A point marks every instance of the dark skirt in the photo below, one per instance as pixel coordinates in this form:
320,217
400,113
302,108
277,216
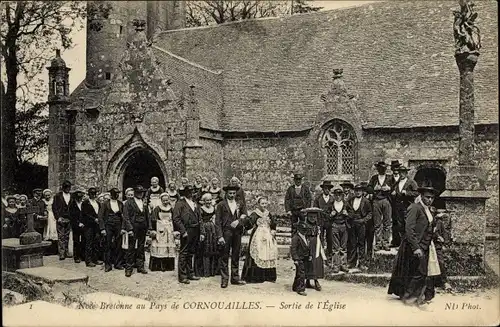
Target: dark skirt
254,274
315,270
161,264
207,254
409,275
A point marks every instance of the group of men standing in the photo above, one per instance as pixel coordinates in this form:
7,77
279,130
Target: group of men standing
357,219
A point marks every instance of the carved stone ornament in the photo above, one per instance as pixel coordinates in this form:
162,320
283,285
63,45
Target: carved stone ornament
338,88
466,33
139,24
137,117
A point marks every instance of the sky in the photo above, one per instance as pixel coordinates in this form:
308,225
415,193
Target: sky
75,56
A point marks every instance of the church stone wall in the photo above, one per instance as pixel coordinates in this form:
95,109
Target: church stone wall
265,167
206,160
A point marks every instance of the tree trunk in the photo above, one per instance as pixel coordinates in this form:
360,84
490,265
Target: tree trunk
9,157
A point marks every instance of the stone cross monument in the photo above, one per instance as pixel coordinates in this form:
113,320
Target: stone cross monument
465,193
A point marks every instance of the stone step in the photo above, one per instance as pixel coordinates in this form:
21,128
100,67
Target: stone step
53,275
460,284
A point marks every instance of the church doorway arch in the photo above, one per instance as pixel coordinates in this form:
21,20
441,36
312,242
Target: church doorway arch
432,177
138,169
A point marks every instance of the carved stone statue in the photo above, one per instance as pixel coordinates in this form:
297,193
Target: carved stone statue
466,33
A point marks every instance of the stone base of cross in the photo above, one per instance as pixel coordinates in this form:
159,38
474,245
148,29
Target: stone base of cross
30,236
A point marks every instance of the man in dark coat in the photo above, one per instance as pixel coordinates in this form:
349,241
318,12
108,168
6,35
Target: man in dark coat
90,220
40,217
340,219
240,194
77,225
417,258
229,222
60,208
325,203
186,221
380,186
403,194
297,197
360,211
110,224
137,223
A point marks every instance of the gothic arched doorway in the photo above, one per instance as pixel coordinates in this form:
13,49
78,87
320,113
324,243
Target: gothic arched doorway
139,168
432,177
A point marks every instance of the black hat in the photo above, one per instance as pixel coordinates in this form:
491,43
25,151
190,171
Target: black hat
298,176
66,183
230,188
347,184
92,190
422,190
115,190
363,184
381,164
359,187
338,190
186,189
139,188
395,164
327,184
403,168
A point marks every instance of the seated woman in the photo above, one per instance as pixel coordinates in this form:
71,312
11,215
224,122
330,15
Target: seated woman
13,219
162,244
262,255
206,259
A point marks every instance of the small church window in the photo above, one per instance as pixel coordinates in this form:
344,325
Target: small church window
121,29
339,142
108,76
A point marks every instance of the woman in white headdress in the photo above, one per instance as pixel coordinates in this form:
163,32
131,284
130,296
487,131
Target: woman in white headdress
163,245
153,193
262,256
206,258
50,230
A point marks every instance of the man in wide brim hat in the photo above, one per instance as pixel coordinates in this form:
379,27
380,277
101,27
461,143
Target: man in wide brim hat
230,188
395,164
381,164
139,189
427,189
326,184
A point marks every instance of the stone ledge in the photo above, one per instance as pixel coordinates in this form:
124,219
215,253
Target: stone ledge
15,245
465,194
492,236
53,275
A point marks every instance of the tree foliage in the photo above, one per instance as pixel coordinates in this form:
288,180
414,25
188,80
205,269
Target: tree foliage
30,32
199,13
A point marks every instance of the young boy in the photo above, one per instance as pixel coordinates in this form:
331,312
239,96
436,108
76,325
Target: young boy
301,256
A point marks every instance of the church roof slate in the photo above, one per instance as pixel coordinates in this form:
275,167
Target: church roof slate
397,57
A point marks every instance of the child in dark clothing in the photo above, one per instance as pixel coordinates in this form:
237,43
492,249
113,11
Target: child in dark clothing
301,256
442,238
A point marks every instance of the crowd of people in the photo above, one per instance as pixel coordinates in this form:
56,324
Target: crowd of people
202,224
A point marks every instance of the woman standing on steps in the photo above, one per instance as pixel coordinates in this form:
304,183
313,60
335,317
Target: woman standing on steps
262,254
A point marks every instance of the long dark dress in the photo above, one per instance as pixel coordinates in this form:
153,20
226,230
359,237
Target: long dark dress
409,276
262,253
163,245
206,258
317,269
15,223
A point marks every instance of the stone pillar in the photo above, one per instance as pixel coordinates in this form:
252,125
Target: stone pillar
192,145
60,120
465,193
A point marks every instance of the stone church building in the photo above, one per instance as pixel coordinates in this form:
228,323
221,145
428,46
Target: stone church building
326,93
